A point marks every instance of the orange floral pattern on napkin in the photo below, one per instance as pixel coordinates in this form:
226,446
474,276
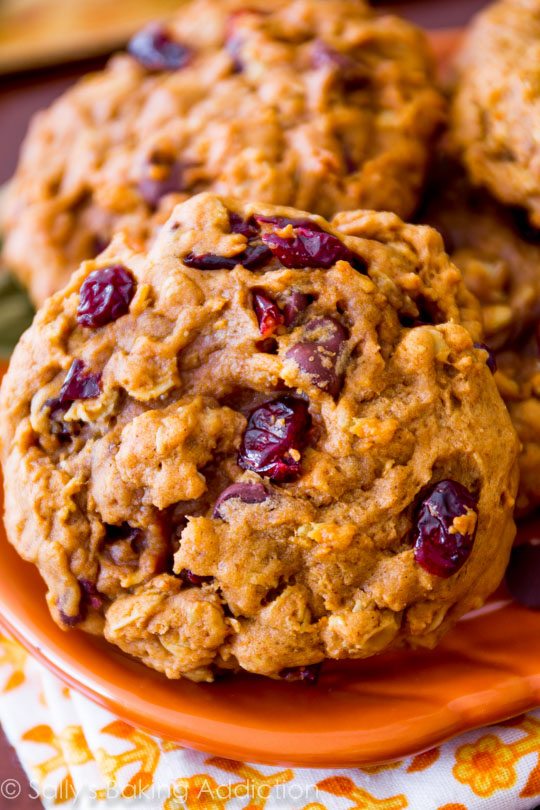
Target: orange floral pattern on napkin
77,754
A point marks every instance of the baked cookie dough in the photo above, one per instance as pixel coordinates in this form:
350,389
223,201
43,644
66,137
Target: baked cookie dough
498,254
313,103
265,442
496,110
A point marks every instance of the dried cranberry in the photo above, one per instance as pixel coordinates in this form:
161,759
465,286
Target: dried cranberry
491,361
210,261
523,575
276,432
319,357
105,295
253,257
256,256
244,492
72,621
163,176
307,674
90,595
313,248
190,578
438,548
349,72
247,227
268,313
79,385
155,49
295,304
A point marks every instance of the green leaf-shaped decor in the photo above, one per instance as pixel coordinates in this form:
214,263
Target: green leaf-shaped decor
16,312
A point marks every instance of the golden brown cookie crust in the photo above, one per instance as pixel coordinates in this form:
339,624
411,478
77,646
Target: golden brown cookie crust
316,104
324,565
496,109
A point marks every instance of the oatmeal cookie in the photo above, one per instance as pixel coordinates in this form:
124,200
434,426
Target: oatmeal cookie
313,103
496,110
267,441
498,254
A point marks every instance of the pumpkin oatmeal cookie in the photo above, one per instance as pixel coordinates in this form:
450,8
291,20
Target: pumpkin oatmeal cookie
498,254
496,110
318,104
267,441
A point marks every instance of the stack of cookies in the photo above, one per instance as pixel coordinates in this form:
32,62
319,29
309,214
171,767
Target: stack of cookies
258,421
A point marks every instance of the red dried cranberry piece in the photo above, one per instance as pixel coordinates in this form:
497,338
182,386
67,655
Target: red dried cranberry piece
72,621
253,257
268,313
311,248
210,261
154,48
90,595
105,295
163,176
349,72
247,227
491,361
319,357
190,578
256,256
79,385
295,304
276,432
523,575
244,492
437,549
308,674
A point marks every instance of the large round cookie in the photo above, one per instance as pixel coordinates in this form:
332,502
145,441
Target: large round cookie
313,103
499,256
266,442
496,110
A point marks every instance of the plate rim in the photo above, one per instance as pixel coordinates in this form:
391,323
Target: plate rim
498,704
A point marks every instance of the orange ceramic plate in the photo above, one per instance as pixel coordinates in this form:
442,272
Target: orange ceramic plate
364,712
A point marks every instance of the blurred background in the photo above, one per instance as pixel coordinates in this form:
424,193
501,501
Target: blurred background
45,45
